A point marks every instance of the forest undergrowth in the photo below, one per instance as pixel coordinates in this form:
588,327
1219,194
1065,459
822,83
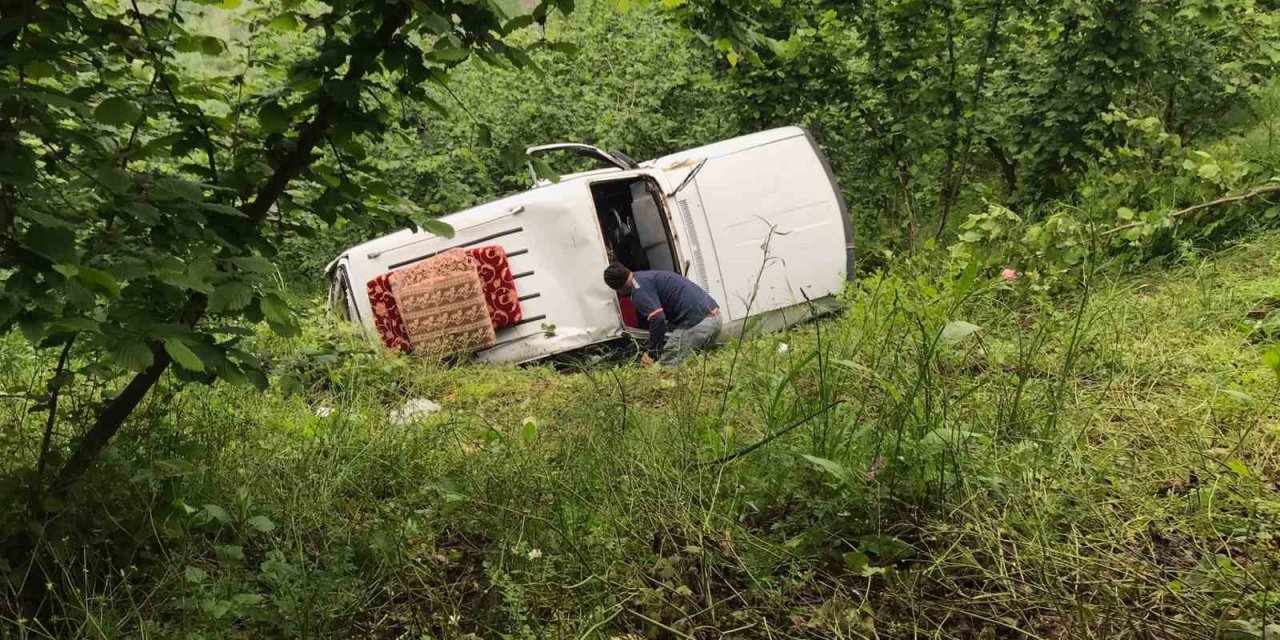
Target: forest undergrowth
950,457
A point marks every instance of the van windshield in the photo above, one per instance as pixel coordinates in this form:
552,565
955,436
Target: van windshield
562,162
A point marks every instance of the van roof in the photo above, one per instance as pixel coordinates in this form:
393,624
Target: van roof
561,193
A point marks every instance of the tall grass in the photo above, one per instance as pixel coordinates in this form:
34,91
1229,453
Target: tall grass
950,457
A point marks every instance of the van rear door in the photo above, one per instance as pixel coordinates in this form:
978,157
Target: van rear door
776,229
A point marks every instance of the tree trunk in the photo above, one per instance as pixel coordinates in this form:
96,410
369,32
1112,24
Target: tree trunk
979,82
948,191
1007,166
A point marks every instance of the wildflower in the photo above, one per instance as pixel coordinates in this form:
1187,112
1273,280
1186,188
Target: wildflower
324,412
783,347
534,554
1009,275
874,470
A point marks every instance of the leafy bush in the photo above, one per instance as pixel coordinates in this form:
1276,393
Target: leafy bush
1147,198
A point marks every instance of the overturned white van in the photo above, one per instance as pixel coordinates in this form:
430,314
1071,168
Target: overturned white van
756,221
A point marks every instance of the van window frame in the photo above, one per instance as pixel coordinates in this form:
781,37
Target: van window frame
655,191
350,307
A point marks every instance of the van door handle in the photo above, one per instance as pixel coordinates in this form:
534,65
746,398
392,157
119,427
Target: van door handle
687,264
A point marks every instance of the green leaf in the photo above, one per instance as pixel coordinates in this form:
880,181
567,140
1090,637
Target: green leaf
275,309
115,179
40,69
99,281
211,46
178,189
231,296
117,111
246,599
856,561
450,54
1238,396
522,60
517,23
272,118
543,170
837,470
287,21
253,264
142,212
1238,467
886,548
194,575
290,385
188,44
17,163
73,324
59,245
230,552
1272,359
217,513
939,439
437,227
222,209
957,330
529,432
434,105
436,23
262,524
183,355
132,354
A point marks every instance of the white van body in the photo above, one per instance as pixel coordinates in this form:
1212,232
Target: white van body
756,221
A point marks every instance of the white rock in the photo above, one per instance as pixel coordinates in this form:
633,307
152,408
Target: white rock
412,411
783,347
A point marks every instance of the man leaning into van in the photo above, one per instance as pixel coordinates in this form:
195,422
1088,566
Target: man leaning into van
668,300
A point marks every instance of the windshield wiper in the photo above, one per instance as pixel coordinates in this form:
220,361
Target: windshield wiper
689,178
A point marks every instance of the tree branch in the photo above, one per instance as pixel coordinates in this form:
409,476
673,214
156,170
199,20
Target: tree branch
210,149
311,135
1259,191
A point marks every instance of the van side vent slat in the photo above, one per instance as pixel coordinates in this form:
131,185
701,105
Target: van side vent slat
464,245
699,262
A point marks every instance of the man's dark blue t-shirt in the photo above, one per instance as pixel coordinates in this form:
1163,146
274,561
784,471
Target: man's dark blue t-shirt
663,297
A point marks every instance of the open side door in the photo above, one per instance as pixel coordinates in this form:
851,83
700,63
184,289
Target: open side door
614,159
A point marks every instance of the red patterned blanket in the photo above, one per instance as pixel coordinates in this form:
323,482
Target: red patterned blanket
491,265
499,285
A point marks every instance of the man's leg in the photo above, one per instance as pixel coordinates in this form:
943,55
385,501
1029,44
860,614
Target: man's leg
675,350
683,342
706,333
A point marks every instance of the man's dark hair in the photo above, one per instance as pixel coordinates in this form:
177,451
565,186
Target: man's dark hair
615,275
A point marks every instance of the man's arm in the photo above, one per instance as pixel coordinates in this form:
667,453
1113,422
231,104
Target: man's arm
657,333
647,304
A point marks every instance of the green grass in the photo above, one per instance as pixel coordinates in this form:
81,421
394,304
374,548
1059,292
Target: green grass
1098,465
